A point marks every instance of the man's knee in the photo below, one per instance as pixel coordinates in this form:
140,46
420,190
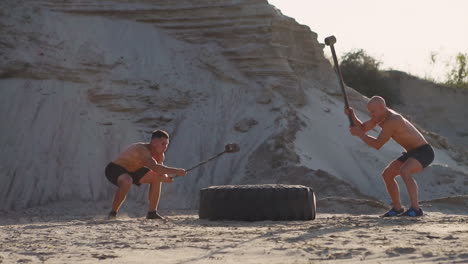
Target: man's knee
125,181
405,173
150,178
156,178
392,170
389,174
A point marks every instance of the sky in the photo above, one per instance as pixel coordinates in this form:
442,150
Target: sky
402,34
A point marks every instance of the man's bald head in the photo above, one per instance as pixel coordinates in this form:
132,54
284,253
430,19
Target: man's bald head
377,101
377,108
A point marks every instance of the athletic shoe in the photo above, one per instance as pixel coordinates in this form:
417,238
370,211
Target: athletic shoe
412,212
393,212
112,215
153,215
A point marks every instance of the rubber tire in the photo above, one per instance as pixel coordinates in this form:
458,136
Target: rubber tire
257,202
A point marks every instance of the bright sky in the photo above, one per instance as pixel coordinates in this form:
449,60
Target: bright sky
401,34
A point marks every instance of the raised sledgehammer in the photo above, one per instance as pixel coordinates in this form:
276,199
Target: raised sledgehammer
330,41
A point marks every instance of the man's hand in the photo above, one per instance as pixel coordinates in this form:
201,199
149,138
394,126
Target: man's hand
166,179
180,172
349,111
356,131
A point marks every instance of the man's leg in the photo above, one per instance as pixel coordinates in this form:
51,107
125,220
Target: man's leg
154,195
155,189
389,174
410,167
125,182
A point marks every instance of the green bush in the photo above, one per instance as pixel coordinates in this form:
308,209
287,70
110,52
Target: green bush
458,75
361,72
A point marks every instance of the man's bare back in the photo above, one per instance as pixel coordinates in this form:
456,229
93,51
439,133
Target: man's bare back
402,131
134,157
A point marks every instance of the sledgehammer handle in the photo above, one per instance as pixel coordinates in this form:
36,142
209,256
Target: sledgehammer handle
330,41
203,162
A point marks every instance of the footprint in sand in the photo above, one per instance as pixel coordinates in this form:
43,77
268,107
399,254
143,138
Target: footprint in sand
342,255
163,247
393,252
363,235
104,256
346,242
24,261
450,237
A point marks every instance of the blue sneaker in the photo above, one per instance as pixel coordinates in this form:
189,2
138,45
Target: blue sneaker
412,212
393,212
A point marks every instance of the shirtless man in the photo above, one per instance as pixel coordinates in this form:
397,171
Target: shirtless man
141,163
419,154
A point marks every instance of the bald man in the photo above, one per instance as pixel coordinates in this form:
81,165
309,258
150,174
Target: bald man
418,153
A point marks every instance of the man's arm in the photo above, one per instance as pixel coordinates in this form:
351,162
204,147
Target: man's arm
160,160
366,126
377,143
161,169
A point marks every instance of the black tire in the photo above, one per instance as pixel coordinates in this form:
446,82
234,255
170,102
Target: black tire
257,202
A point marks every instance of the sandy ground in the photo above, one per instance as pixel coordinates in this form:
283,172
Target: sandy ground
72,233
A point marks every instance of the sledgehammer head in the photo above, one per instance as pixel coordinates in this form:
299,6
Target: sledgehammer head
330,40
231,148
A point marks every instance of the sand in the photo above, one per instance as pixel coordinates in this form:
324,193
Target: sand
79,233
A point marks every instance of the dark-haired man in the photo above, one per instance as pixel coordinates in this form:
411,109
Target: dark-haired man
418,153
141,163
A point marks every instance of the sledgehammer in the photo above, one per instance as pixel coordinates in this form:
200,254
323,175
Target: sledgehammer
329,41
229,148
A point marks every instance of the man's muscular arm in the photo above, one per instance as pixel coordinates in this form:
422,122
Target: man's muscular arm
377,143
365,126
161,169
160,160
368,125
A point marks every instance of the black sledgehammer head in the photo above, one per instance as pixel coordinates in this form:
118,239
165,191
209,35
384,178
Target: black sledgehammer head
330,40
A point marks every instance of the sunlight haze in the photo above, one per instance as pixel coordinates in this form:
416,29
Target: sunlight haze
400,34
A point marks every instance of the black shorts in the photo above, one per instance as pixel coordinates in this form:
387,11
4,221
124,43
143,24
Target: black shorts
113,171
424,154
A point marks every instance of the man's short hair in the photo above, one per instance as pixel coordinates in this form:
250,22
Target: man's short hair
159,134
